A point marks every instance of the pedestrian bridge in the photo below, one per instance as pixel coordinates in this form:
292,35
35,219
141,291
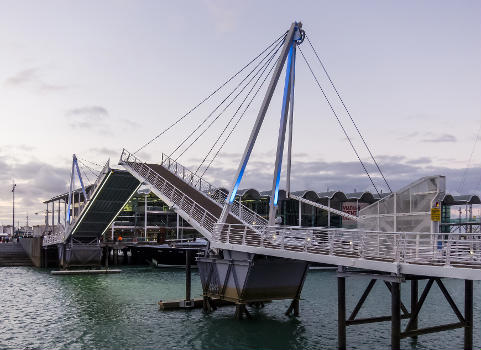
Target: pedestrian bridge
93,211
453,255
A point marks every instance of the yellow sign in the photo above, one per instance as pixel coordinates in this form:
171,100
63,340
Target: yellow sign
435,214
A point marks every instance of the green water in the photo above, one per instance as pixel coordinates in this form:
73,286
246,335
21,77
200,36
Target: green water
41,311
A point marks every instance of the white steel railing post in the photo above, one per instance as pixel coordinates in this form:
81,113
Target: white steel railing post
362,242
448,251
330,242
244,235
228,234
203,217
181,203
417,246
396,258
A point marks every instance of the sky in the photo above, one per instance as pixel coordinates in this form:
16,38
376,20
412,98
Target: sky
94,77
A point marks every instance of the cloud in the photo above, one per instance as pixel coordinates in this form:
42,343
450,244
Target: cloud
103,151
409,136
129,124
36,181
427,137
87,117
440,138
31,78
319,175
224,14
421,160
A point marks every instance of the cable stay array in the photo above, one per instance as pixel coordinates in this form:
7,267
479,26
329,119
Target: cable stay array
236,96
208,97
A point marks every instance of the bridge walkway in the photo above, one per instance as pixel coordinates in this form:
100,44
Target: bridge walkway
415,253
106,198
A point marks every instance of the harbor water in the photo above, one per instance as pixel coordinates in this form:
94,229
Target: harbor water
41,311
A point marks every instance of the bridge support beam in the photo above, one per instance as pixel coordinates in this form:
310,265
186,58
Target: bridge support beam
399,310
188,278
468,315
395,316
107,256
341,313
414,304
295,28
294,307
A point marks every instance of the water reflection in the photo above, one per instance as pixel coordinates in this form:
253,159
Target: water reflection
41,311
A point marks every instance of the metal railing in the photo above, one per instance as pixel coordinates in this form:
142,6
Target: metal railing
244,213
165,189
439,249
105,170
59,237
237,209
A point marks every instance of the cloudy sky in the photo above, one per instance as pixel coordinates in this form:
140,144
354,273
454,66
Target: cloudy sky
93,77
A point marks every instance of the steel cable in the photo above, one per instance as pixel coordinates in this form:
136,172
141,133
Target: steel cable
465,173
261,70
239,119
340,123
348,113
210,95
219,105
94,172
240,106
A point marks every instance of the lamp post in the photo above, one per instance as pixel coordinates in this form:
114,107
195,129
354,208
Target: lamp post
13,209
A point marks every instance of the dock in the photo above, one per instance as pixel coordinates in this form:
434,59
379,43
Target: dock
85,272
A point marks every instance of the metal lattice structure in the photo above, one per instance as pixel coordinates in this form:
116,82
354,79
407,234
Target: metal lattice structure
408,209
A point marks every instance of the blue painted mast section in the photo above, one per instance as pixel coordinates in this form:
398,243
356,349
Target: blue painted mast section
72,178
291,121
282,134
70,192
289,39
81,181
284,108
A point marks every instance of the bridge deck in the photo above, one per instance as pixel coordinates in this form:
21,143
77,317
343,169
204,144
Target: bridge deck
418,253
207,203
105,204
113,189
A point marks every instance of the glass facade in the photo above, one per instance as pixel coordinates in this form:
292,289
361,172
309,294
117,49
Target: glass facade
407,210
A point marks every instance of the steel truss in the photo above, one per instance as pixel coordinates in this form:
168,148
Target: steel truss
399,311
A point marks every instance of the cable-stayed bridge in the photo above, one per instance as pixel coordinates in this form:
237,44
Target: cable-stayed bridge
252,259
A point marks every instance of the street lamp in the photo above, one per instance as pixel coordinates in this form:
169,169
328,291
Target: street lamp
145,191
13,209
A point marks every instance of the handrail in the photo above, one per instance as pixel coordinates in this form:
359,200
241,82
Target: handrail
324,207
201,215
436,249
239,210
